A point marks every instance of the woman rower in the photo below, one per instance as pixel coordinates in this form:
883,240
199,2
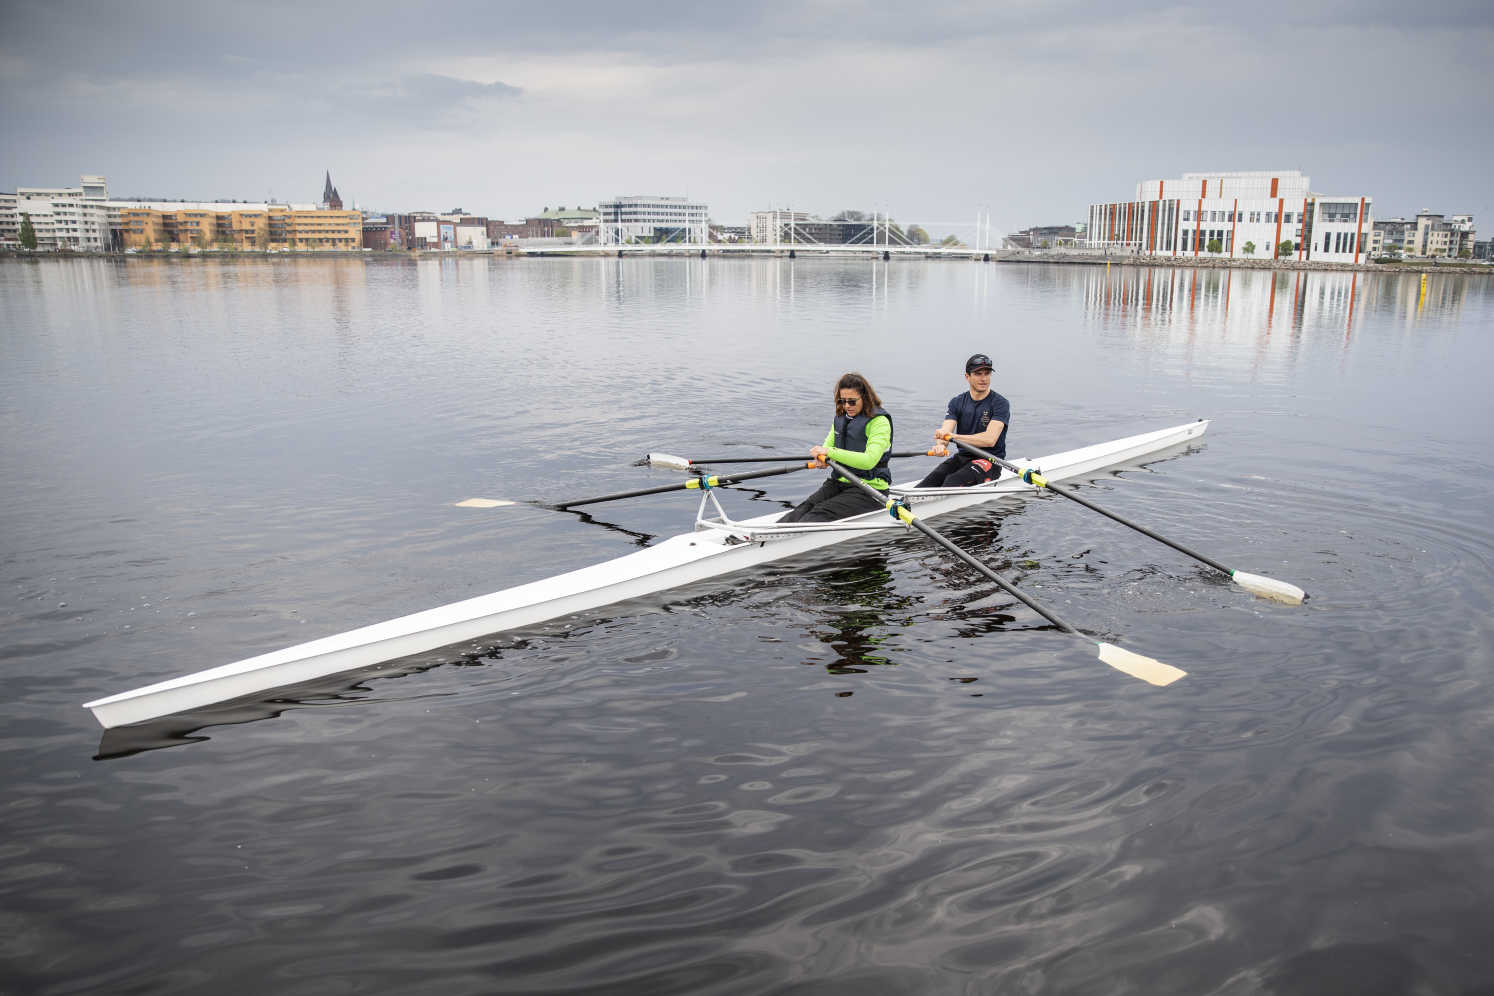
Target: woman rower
860,439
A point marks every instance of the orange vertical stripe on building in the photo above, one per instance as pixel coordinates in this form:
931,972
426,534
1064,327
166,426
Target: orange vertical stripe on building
1234,218
1302,245
1357,236
1280,204
1198,217
1157,206
1273,186
1205,191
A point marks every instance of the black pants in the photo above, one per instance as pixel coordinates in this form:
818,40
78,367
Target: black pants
959,471
833,500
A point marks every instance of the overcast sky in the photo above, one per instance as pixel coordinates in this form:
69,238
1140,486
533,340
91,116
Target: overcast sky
931,110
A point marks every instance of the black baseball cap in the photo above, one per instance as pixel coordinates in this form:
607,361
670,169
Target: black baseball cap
977,361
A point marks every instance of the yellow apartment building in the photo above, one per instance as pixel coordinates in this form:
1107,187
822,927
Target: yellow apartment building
325,230
142,228
247,229
274,226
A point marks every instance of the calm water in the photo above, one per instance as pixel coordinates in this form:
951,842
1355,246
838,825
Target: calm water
865,771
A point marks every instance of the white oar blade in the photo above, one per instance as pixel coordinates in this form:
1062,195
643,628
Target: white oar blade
483,503
1265,587
1153,672
667,460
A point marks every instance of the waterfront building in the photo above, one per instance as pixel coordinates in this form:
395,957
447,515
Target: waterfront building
652,219
10,222
1235,215
384,231
1428,235
790,227
571,221
455,230
773,226
1042,237
229,225
62,217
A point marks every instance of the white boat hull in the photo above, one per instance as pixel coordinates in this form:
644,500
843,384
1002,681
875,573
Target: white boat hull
672,563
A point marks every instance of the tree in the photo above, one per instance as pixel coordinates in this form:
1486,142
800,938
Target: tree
28,234
849,215
917,235
1466,254
951,241
1215,246
1286,248
1249,248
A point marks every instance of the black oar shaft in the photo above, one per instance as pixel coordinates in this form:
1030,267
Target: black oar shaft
778,459
906,515
1042,482
694,483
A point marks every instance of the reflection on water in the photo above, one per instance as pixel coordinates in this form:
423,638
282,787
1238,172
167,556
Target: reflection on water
1254,303
207,459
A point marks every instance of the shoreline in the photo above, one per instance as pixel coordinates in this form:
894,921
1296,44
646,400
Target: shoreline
1467,267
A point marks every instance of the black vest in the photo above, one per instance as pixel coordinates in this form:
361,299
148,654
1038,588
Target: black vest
850,434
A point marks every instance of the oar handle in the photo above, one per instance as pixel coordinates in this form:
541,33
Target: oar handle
1035,478
902,512
695,483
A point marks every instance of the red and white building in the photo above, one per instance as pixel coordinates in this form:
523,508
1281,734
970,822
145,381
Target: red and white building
1241,215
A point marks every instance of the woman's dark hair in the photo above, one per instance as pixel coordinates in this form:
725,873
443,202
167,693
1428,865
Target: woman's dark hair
855,382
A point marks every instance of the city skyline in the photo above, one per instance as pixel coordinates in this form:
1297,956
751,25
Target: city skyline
1029,113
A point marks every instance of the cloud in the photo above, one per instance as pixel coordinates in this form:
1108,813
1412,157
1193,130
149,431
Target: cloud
1034,106
424,100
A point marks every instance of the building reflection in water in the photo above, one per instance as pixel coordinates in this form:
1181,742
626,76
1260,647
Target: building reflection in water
1243,303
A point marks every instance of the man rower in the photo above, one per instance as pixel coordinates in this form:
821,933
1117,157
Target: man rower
978,417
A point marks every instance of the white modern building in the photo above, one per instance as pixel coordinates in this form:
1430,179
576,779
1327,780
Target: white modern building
63,218
652,219
1235,215
775,226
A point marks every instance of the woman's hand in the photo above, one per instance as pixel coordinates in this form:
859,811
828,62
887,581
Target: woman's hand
819,453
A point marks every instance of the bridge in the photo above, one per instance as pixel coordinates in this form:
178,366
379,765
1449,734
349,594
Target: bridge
791,250
790,234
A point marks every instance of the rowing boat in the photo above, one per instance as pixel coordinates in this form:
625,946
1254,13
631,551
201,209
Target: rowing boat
718,545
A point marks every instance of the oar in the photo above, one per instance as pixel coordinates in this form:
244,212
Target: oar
681,463
1257,584
695,483
1136,665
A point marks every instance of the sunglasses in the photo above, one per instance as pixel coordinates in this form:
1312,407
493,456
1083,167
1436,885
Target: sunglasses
846,402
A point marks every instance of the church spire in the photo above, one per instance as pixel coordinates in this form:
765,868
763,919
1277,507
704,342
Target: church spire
330,198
